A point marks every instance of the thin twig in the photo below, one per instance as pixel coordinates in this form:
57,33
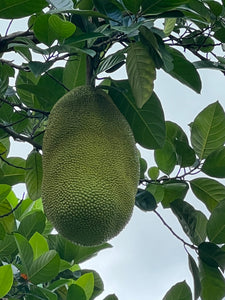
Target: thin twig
12,165
172,231
58,81
12,211
7,29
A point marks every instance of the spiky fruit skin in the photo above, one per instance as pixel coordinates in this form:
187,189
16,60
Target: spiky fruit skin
90,167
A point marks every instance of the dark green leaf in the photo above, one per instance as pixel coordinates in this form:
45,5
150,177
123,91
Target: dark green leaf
6,279
45,267
141,73
212,255
214,164
4,191
209,191
185,154
75,292
195,273
143,167
12,9
173,189
42,293
8,248
145,200
31,223
155,7
37,67
25,252
212,282
13,173
208,130
179,291
111,8
86,282
8,221
148,123
133,6
216,224
165,157
184,71
220,34
43,31
192,221
111,297
33,177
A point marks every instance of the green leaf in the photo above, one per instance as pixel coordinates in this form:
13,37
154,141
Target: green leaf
185,154
133,6
8,248
111,297
72,252
45,267
13,9
42,293
155,7
86,282
111,62
184,70
148,123
157,190
33,177
214,164
43,32
145,200
212,255
169,25
39,244
37,67
165,157
212,282
173,189
98,283
13,173
25,252
179,291
141,73
5,189
33,222
209,191
216,224
153,173
196,277
112,9
62,29
77,67
192,221
6,279
208,130
8,221
76,292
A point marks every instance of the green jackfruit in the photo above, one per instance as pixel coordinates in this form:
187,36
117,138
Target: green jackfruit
90,167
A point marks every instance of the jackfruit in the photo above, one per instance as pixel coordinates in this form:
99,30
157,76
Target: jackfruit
90,167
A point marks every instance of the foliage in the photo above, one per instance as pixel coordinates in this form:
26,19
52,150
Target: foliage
151,35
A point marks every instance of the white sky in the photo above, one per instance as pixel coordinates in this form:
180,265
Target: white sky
147,259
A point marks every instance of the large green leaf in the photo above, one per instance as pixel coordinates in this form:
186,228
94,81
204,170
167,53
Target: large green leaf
86,281
192,221
212,255
4,191
166,157
133,6
214,164
25,252
208,130
148,123
159,6
212,282
33,177
33,222
8,221
179,291
185,154
39,244
12,9
77,67
216,224
43,32
14,172
62,29
76,292
209,191
173,189
112,9
8,247
184,70
141,73
6,279
45,267
196,278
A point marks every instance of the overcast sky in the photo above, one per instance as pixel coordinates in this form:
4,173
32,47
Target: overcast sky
147,259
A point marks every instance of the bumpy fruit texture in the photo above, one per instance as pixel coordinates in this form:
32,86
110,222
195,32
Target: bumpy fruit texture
90,167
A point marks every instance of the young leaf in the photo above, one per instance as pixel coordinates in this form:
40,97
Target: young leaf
6,279
33,177
184,71
33,222
141,73
41,293
13,9
25,251
208,130
86,282
39,244
212,282
214,164
76,292
209,191
185,154
37,67
148,123
45,267
195,273
179,291
216,224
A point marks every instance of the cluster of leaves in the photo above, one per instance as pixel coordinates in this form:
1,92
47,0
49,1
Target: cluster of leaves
150,35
